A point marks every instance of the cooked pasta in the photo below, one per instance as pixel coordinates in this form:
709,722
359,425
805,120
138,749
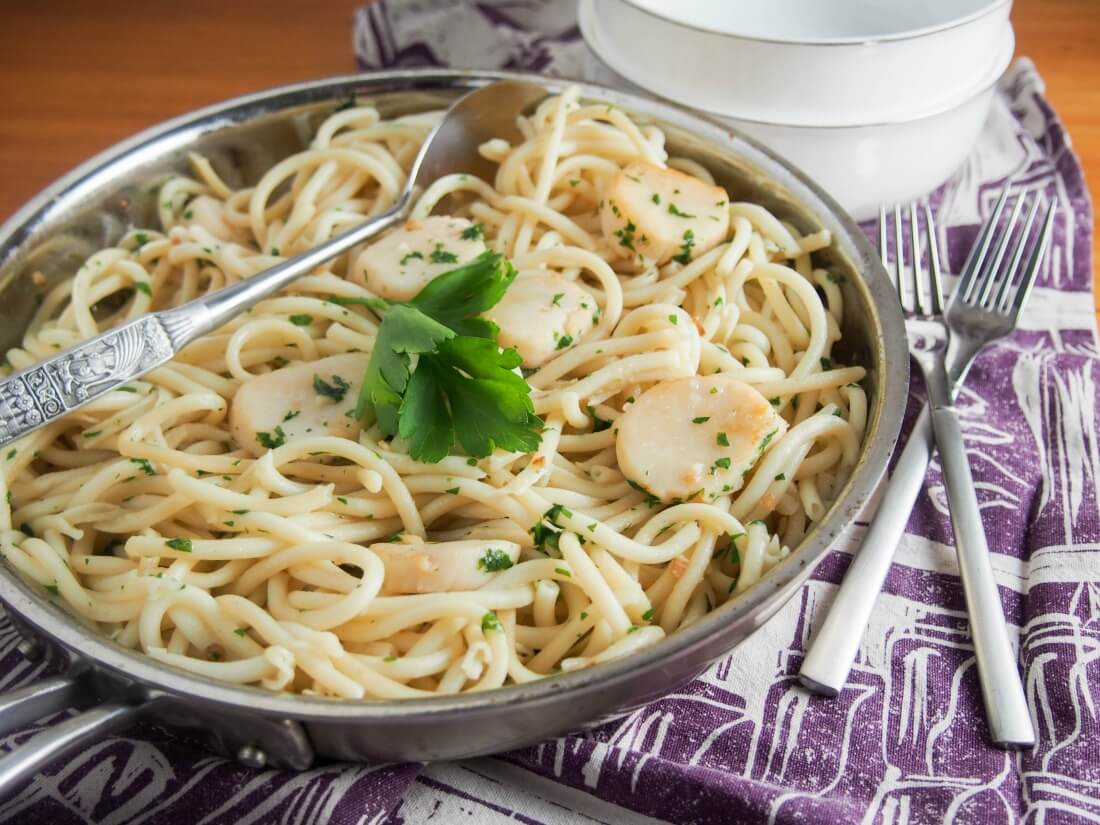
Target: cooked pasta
230,515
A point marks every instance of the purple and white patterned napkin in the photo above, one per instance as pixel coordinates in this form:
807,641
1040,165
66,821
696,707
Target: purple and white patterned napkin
906,741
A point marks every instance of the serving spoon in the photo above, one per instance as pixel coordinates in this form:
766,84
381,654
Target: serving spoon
53,388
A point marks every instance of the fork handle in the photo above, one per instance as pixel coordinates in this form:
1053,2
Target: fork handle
1005,705
833,648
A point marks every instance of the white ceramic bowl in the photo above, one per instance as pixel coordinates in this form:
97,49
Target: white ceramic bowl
882,160
863,167
810,62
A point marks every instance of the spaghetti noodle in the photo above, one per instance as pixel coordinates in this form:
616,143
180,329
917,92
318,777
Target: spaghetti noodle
317,556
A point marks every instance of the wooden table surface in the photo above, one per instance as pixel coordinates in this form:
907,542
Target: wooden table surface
75,77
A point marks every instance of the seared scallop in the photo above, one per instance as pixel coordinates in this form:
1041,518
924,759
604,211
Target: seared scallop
662,214
695,436
541,315
303,400
408,259
414,565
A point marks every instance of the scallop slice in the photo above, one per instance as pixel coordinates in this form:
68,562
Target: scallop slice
407,259
660,214
209,213
310,399
695,435
414,565
542,314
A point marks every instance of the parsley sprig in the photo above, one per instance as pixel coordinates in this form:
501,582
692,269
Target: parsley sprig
462,386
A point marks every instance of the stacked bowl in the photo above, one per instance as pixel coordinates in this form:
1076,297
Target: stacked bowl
879,101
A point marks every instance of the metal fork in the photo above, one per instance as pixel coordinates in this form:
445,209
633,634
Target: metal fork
984,284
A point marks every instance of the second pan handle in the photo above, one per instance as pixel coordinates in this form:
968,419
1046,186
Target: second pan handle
21,765
21,707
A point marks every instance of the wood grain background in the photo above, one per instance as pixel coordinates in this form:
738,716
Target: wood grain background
77,76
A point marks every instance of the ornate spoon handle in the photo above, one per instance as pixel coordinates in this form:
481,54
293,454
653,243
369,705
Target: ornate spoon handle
55,387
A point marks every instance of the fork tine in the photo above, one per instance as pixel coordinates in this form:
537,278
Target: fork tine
918,272
1032,271
988,279
981,247
933,262
1001,300
882,251
899,257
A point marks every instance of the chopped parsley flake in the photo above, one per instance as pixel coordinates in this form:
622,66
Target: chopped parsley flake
685,248
473,233
143,286
626,235
490,622
702,419
648,615
650,499
301,320
561,571
544,533
494,560
672,319
826,363
672,210
556,300
410,256
563,342
723,440
336,390
442,256
145,466
183,545
723,463
272,440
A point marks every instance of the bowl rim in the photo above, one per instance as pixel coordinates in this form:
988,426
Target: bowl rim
605,52
778,585
850,40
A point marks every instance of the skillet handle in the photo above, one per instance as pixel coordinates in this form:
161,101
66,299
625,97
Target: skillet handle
21,765
21,707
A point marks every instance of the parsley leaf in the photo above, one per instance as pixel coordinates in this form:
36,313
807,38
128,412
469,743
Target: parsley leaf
463,386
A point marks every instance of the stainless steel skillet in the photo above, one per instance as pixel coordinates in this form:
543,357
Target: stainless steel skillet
92,206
